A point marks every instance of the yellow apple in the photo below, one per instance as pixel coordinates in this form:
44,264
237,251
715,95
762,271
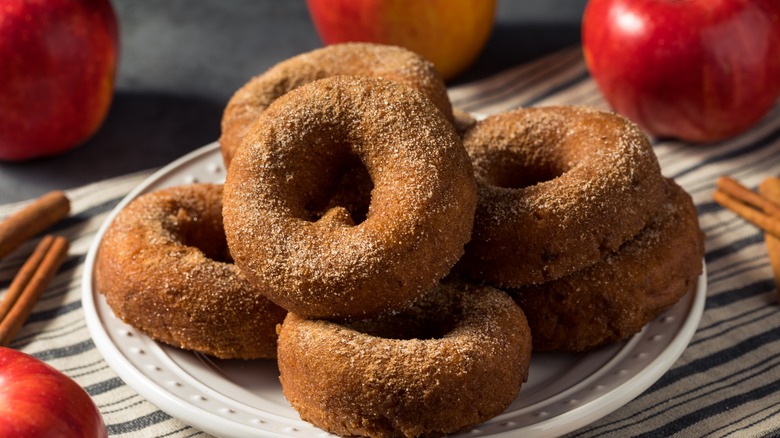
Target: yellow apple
450,33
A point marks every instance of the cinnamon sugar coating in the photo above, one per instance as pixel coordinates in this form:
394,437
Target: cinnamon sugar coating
558,188
331,264
454,360
613,299
164,268
353,59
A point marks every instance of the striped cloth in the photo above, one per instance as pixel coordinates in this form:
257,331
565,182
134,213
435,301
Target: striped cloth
727,382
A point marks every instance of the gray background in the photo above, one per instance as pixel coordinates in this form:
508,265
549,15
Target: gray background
181,60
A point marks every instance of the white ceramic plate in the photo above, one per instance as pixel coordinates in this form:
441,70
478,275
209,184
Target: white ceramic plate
244,398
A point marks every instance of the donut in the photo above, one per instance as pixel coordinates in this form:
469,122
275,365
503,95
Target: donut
455,359
558,188
613,299
353,59
328,265
164,268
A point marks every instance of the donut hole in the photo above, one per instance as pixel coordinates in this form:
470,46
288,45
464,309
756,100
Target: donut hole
520,178
414,323
513,171
349,188
205,234
402,328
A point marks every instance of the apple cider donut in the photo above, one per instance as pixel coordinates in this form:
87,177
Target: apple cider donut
164,268
613,299
330,265
455,359
353,59
558,188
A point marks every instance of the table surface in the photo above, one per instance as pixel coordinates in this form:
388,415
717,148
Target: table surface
181,60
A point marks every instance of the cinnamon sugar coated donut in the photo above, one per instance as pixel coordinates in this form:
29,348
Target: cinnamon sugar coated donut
352,59
613,299
329,265
454,360
558,188
164,268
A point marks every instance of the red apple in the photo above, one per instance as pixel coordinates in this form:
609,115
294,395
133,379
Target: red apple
57,66
697,70
37,400
450,33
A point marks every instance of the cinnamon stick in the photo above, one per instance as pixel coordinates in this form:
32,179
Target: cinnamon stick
770,189
735,189
767,222
32,219
24,275
43,267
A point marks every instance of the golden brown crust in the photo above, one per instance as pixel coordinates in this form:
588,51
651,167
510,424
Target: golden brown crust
613,299
163,267
558,188
421,208
354,59
461,363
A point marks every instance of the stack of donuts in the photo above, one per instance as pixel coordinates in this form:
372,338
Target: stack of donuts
576,222
399,259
